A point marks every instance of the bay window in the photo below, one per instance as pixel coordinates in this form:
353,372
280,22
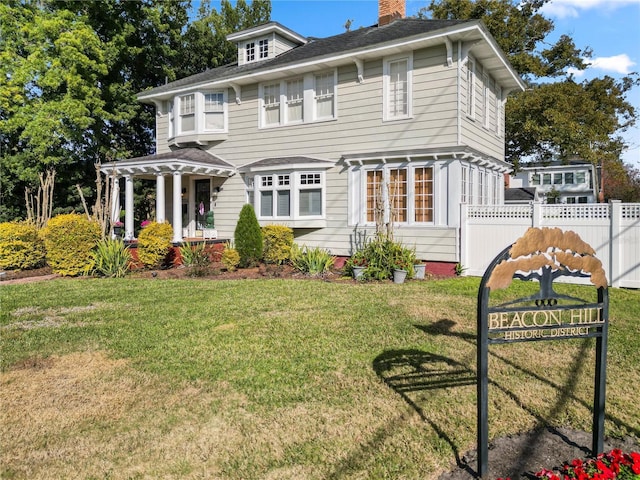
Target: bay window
197,113
399,194
289,195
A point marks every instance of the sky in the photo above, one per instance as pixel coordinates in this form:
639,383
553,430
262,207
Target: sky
611,28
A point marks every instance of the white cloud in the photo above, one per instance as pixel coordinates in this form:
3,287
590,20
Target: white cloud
618,64
571,8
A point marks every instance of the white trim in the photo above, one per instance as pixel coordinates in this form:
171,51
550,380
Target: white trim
386,93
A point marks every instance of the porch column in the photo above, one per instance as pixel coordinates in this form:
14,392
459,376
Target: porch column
128,207
177,207
115,199
160,198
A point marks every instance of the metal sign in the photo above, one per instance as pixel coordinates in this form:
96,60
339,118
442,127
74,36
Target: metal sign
542,255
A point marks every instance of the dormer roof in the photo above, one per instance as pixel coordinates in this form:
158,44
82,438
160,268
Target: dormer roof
267,29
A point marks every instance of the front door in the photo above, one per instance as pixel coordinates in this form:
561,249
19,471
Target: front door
203,204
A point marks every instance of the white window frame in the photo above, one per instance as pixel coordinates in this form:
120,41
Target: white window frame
250,51
499,112
330,93
471,88
187,108
361,217
308,97
199,112
296,182
263,48
266,103
464,184
388,95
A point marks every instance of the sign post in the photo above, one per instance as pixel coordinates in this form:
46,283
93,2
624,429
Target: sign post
542,255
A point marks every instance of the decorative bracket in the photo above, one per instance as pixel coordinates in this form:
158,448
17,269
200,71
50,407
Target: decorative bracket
360,66
236,89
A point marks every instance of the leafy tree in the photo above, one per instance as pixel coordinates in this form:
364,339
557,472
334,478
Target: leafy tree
248,237
621,181
549,120
204,42
50,96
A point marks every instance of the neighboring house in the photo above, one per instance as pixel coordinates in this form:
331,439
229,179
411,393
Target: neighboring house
308,130
517,195
556,182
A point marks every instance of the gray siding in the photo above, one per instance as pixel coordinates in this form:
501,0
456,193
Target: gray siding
438,98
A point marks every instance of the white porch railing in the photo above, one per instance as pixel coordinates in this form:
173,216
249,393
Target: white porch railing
612,229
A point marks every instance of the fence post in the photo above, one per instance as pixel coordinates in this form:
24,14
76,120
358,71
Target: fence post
615,243
536,214
464,227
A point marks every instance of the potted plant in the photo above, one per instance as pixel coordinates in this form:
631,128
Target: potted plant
419,269
358,263
118,227
403,261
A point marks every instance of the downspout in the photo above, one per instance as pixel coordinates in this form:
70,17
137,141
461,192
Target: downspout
459,95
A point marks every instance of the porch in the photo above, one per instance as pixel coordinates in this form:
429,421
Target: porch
196,179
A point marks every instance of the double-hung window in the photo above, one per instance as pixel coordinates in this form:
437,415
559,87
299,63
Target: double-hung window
324,95
213,111
298,100
187,113
197,113
271,104
398,194
289,195
397,88
295,101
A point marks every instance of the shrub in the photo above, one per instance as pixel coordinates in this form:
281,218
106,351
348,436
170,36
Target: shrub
381,256
21,248
194,255
313,261
69,240
248,237
230,258
154,242
278,241
111,258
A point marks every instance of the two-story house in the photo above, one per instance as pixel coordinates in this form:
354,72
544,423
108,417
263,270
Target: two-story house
405,117
557,182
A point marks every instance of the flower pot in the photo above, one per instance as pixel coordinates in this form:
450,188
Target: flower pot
358,272
399,276
419,269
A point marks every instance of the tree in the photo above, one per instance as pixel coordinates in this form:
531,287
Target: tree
50,96
620,181
205,44
248,237
549,120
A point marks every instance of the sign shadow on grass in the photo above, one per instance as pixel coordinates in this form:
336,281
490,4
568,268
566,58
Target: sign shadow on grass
412,373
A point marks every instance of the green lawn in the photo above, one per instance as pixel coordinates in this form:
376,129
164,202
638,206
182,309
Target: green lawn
278,379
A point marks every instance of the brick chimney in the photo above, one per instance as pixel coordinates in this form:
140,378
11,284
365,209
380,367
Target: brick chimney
389,10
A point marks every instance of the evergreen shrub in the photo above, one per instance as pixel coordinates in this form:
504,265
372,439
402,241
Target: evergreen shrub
21,248
278,240
69,240
248,237
154,242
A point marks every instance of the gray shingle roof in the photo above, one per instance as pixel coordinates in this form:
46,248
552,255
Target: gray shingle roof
283,161
317,47
190,154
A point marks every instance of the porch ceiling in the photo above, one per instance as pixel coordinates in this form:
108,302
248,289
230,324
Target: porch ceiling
187,161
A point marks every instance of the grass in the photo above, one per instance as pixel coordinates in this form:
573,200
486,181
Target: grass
277,379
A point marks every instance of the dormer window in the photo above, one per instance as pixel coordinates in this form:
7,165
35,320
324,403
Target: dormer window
263,48
250,48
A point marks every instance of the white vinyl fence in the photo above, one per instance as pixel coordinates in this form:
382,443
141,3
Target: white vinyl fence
613,230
